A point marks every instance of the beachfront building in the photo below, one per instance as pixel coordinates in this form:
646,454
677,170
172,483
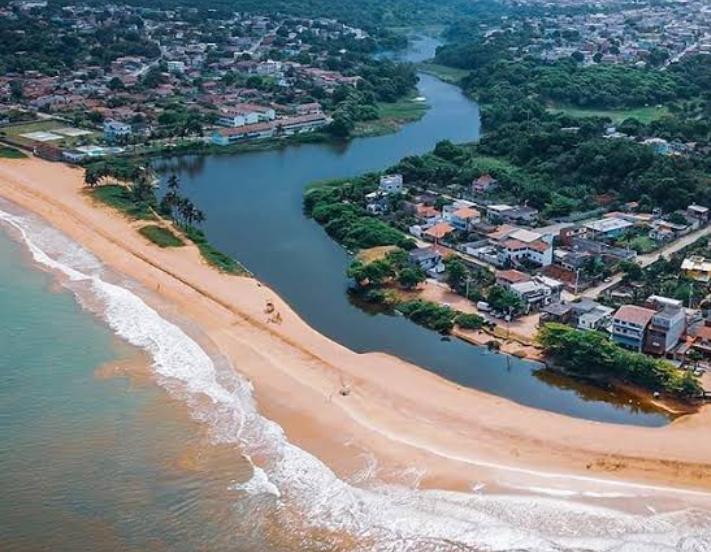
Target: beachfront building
629,326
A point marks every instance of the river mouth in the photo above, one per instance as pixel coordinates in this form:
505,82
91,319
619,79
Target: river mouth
253,203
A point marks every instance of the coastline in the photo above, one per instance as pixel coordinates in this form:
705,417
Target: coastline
297,373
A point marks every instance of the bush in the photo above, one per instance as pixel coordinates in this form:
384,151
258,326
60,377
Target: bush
428,314
216,258
162,237
593,353
469,321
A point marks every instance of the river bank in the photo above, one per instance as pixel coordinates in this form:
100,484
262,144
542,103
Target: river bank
298,374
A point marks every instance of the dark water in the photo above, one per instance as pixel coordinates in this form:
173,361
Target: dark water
253,203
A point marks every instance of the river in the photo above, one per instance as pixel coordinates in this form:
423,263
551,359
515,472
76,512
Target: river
253,203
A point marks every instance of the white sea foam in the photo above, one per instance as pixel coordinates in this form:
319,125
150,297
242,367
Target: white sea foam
387,517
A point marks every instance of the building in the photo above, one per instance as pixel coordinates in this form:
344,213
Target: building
391,183
512,214
462,216
438,231
534,295
665,331
589,315
256,131
629,326
506,278
245,114
427,258
607,228
116,130
697,268
516,251
698,212
483,184
301,123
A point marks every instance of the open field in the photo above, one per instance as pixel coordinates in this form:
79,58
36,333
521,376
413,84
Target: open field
643,114
451,75
15,133
392,116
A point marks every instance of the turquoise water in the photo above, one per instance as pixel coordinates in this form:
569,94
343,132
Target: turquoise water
86,462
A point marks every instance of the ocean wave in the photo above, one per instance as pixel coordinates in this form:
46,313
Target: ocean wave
384,517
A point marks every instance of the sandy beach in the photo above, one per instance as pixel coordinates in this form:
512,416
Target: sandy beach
405,415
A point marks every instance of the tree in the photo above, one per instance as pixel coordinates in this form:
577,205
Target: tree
410,277
341,126
456,273
503,300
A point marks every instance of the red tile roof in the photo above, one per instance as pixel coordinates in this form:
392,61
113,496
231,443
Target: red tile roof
439,230
512,276
634,315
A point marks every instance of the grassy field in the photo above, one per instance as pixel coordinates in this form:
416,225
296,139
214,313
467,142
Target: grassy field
643,114
11,153
120,198
442,72
160,236
14,132
392,117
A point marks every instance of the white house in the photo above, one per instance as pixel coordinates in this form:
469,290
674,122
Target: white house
391,183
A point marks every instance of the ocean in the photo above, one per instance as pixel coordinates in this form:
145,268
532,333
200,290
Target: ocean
119,431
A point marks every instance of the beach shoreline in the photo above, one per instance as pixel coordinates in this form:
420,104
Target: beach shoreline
402,414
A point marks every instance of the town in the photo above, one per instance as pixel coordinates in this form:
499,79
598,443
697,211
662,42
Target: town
642,278
145,80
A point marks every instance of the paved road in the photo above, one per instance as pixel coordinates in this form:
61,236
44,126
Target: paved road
646,260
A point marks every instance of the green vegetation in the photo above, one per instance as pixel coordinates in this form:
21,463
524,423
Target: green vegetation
120,198
468,321
444,73
391,116
593,354
11,153
644,115
216,258
430,315
335,205
138,200
162,237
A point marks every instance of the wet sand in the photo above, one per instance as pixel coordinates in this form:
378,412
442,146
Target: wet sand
406,416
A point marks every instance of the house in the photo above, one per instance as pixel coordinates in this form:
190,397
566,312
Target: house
589,315
116,130
302,123
427,214
391,183
702,339
227,136
556,311
569,233
697,268
534,295
427,258
245,114
665,231
629,326
607,228
698,212
665,331
376,203
511,214
506,278
460,215
516,251
438,231
483,184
